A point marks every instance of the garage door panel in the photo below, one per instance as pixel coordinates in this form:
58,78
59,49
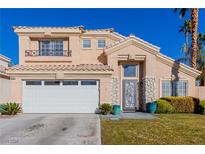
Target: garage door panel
60,99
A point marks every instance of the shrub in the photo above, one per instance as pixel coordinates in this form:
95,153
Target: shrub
105,108
164,107
183,104
10,109
201,108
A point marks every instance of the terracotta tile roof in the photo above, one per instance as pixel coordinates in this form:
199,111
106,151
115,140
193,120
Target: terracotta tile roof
81,67
120,35
4,58
117,42
133,37
47,27
98,30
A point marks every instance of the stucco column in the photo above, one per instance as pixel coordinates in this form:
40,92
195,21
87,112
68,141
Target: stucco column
149,89
24,44
115,90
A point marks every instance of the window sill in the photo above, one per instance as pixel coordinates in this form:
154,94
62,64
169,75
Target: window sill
86,48
100,48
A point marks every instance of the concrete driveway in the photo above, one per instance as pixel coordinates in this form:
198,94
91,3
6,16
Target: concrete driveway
50,129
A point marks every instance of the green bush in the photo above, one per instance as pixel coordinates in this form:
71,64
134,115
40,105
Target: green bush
183,104
105,108
164,107
10,109
201,108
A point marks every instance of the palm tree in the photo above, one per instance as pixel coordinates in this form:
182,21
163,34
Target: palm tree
182,11
194,28
186,30
194,19
201,57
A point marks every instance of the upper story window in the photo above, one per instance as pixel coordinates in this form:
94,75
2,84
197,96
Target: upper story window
51,47
86,43
101,43
174,88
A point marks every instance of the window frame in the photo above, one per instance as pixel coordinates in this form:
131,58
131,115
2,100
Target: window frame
88,39
74,81
130,77
172,92
54,46
170,88
81,83
26,83
52,84
101,39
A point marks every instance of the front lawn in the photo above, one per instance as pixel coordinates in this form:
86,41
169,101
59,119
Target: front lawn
168,129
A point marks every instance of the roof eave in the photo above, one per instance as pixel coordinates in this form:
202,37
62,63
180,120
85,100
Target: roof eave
54,72
4,58
186,69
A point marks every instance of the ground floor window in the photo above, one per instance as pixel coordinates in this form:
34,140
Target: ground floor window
174,88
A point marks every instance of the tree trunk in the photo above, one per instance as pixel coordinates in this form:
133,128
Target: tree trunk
194,20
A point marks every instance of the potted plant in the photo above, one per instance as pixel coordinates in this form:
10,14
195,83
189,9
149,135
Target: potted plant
116,109
151,107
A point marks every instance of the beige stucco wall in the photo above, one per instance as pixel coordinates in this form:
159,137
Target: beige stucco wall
164,71
147,66
73,42
151,67
200,92
5,90
150,60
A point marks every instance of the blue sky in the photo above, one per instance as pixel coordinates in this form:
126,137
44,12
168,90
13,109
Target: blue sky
157,26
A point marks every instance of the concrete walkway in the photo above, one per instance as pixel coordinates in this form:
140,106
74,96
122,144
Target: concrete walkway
46,129
131,115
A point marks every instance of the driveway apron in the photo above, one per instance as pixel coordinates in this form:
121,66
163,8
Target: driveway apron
50,129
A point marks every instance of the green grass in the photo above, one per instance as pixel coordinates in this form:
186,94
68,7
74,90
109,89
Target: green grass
167,129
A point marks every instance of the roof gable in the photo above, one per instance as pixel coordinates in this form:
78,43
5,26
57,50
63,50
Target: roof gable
132,40
182,67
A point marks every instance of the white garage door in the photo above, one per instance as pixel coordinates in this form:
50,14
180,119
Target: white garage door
68,96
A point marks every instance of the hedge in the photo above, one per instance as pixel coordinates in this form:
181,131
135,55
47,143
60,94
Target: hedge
201,108
164,107
183,104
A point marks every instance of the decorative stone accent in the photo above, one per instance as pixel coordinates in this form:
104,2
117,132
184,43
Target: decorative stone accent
149,89
114,90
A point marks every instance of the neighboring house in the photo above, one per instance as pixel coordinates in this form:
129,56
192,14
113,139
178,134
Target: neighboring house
4,79
73,70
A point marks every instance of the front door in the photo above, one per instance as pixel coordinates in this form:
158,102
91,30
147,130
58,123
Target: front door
130,87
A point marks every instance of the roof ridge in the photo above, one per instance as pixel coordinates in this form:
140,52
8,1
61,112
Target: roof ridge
101,29
140,39
117,33
132,37
63,27
117,42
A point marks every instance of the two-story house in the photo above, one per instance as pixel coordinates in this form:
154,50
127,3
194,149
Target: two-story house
73,70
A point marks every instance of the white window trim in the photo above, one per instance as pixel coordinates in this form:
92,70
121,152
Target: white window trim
86,38
40,40
101,39
180,79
